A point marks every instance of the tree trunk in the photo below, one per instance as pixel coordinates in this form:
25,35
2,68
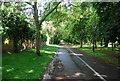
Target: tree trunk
101,43
15,42
81,43
112,46
73,43
95,44
38,24
48,38
93,48
37,29
106,43
21,46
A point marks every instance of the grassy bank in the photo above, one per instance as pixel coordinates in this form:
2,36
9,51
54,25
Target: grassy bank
27,65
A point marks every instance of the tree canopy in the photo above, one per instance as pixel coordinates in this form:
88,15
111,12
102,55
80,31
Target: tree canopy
74,22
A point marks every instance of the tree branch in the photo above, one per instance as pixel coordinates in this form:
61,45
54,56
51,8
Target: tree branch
74,5
27,8
49,13
29,3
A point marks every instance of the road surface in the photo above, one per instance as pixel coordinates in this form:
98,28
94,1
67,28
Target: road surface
81,66
105,70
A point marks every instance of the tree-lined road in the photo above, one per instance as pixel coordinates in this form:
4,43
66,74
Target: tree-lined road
95,27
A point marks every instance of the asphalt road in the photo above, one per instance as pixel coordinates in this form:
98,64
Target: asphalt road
105,71
80,66
71,71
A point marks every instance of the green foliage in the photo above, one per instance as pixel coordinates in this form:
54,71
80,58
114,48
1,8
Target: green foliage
44,37
15,26
56,38
88,21
72,22
109,20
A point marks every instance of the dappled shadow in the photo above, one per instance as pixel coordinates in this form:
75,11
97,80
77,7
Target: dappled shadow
77,54
60,53
69,69
54,45
101,75
9,70
76,75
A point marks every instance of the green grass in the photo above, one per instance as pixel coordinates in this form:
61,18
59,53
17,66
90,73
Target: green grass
106,57
27,65
108,49
98,48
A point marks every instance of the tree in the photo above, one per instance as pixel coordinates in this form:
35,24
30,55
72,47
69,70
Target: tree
38,24
109,20
15,26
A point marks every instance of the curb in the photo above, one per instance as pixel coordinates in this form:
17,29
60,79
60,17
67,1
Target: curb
49,73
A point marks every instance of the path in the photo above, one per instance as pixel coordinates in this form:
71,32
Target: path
75,69
70,69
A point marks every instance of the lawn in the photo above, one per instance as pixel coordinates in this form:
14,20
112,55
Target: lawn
26,64
109,49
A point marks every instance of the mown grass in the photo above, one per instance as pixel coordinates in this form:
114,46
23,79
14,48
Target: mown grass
26,64
115,50
106,57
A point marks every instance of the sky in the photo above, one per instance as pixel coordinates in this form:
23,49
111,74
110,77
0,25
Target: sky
42,1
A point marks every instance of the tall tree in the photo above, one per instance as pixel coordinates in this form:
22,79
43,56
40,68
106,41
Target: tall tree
15,26
38,24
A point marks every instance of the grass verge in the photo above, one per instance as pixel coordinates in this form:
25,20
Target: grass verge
108,49
106,57
26,64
